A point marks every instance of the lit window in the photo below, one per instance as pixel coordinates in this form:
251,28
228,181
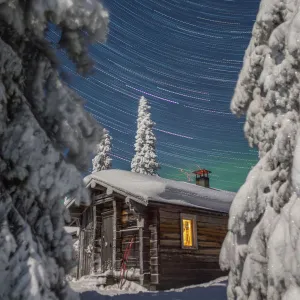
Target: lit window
189,231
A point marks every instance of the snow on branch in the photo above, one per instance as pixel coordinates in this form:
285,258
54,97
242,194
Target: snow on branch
46,137
262,246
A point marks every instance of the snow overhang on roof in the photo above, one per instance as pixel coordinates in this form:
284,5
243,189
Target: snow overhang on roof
145,188
93,179
72,230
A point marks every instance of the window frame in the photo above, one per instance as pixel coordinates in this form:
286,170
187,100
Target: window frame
193,218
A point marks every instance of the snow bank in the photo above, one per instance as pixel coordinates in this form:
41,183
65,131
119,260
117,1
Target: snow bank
214,290
154,188
88,284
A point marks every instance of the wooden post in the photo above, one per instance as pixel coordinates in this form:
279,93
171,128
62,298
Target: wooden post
141,249
114,250
93,239
79,254
154,269
82,245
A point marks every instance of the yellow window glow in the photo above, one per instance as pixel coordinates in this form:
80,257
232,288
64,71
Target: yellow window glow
187,226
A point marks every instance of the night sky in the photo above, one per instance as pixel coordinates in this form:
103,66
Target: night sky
184,57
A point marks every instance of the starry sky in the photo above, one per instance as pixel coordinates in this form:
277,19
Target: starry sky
184,57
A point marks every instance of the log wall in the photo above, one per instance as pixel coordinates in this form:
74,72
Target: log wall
162,260
181,267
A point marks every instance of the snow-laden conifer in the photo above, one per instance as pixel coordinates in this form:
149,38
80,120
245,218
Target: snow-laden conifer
102,160
40,117
262,246
145,159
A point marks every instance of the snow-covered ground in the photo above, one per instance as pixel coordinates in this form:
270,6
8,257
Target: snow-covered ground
214,290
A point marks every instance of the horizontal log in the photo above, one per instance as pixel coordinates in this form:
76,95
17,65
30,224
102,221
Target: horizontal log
188,257
169,229
213,253
182,264
209,238
169,218
169,225
166,208
210,251
186,271
212,218
170,236
169,268
213,227
192,211
220,231
210,231
166,214
202,244
166,225
170,243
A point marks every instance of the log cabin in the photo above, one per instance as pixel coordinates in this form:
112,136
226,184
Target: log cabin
172,231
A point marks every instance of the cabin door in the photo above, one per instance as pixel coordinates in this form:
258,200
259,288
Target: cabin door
107,242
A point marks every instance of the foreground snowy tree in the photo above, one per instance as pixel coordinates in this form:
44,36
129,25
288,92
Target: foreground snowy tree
262,247
40,117
144,160
102,160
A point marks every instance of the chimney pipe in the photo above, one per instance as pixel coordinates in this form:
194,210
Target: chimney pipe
202,181
202,177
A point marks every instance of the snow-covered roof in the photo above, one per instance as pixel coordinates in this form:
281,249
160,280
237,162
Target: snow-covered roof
148,188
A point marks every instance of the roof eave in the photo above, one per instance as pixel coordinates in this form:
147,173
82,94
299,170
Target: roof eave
136,198
202,208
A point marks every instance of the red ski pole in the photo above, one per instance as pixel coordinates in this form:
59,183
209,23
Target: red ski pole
124,261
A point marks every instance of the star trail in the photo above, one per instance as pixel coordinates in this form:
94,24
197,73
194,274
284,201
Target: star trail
184,57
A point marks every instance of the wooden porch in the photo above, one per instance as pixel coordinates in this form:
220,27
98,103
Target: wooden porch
107,227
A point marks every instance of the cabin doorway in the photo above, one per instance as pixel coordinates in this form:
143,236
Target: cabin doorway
107,242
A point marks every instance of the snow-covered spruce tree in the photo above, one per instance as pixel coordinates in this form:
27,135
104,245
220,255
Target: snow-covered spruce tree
262,246
40,117
102,160
144,160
